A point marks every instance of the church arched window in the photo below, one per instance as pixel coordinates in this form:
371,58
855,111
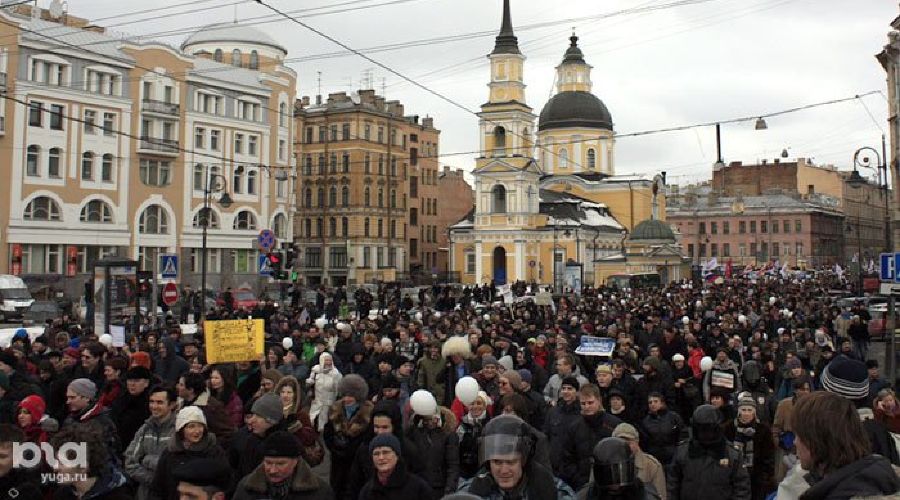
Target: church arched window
499,141
563,158
498,195
592,159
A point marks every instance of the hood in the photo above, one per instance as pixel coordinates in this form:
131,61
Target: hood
868,476
389,409
298,396
171,347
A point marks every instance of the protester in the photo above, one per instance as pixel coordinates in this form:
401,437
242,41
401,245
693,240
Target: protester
15,481
282,474
647,468
144,451
392,480
191,441
614,473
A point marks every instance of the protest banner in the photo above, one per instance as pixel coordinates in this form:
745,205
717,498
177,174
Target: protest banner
233,341
596,346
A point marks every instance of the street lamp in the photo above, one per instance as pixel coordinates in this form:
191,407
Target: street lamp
225,201
566,234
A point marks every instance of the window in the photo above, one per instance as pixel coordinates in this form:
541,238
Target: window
309,135
592,159
245,220
393,166
702,228
345,226
345,132
775,226
307,223
313,257
32,160
753,227
333,163
214,140
334,132
35,114
702,250
798,227
563,158
53,162
237,180
279,226
763,226
245,261
87,166
252,142
799,247
345,163
786,248
691,249
742,249
155,172
212,260
380,135
307,198
109,124
321,197
307,165
726,227
367,132
380,164
332,196
713,228
218,56
393,198
281,188
753,249
42,208
282,150
498,194
393,229
380,228
90,121
726,249
212,215
154,220
106,168
322,133
251,182
787,226
168,94
337,257
413,217
199,137
96,211
775,248
321,164
366,229
320,227
380,197
367,257
254,60
56,116
236,58
470,261
332,226
414,156
742,227
367,198
345,196
239,143
282,115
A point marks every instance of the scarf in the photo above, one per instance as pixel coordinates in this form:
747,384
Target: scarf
278,491
350,410
743,441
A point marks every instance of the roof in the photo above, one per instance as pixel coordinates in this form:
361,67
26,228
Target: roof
573,54
506,43
575,109
54,33
652,229
564,209
230,33
208,68
777,203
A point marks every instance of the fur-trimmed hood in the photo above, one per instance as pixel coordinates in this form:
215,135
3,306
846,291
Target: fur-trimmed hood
303,480
358,423
456,345
295,384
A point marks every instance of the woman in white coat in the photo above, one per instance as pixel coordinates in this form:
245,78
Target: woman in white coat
324,378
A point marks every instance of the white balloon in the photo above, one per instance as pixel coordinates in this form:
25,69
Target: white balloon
772,301
623,302
106,339
706,363
419,316
742,319
668,295
486,317
287,342
437,314
343,327
685,320
423,403
321,322
698,304
467,390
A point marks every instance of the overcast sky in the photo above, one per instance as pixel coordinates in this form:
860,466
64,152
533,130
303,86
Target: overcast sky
678,65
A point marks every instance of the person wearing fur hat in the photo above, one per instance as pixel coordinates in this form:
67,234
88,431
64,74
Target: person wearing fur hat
282,474
192,441
752,438
325,380
392,480
348,426
266,417
142,455
438,445
458,364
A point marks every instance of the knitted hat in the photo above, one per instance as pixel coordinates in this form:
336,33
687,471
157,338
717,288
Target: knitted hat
187,415
846,377
626,431
73,352
281,444
269,407
793,363
746,401
571,381
141,358
488,360
4,381
526,375
35,406
354,385
83,387
514,379
385,440
138,373
506,362
677,357
652,362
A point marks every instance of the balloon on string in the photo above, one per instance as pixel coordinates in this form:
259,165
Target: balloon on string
706,363
106,339
423,403
467,390
287,342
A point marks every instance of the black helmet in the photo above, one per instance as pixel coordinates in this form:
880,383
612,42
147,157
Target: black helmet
507,435
705,425
613,463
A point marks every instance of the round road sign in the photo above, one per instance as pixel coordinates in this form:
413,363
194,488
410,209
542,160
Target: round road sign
531,263
170,294
266,240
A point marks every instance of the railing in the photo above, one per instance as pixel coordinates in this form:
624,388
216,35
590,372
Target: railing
161,145
167,108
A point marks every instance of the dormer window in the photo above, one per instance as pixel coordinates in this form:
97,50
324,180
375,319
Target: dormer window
236,58
218,56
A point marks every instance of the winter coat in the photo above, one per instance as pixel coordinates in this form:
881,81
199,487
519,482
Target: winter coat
304,486
98,421
217,421
26,483
451,377
650,383
578,446
709,474
661,434
234,408
343,437
638,492
540,485
401,485
429,375
111,485
245,452
559,420
867,477
728,366
762,474
129,413
175,456
144,451
469,433
439,452
169,368
325,389
248,383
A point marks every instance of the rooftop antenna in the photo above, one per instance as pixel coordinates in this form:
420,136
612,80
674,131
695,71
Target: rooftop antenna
235,14
319,79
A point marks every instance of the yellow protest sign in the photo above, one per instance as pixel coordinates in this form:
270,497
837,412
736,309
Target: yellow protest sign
233,341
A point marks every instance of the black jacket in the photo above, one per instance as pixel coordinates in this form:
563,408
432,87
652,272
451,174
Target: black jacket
578,447
246,450
25,481
129,413
305,485
707,473
439,452
164,485
559,420
868,476
402,485
661,434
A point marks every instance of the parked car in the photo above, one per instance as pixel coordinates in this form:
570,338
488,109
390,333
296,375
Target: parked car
241,298
41,311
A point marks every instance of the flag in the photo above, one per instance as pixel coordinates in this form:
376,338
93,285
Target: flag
728,269
784,271
839,271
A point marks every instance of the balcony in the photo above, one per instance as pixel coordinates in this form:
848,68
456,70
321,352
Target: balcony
160,146
161,107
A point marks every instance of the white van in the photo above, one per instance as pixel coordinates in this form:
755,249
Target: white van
15,300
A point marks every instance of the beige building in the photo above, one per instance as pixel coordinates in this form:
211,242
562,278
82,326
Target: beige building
367,196
108,145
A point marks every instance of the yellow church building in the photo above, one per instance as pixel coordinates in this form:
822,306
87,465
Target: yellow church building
548,205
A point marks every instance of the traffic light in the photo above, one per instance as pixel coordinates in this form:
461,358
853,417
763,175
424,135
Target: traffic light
289,257
145,284
276,262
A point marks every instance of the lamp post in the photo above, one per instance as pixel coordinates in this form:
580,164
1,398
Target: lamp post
225,201
566,233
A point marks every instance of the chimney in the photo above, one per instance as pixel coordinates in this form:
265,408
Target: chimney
366,96
428,122
319,100
446,169
304,101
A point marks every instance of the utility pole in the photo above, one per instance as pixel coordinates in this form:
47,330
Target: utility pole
390,175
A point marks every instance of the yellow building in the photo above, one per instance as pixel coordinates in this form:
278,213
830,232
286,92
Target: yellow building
547,206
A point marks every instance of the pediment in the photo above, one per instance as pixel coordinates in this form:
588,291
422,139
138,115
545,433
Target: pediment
509,165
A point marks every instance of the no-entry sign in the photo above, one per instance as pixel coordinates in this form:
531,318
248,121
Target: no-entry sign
170,294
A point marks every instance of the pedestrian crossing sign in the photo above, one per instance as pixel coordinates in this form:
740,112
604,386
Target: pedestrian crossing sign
168,266
265,267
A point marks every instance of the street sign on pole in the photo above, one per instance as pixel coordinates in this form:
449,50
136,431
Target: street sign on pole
266,240
170,293
264,266
894,266
168,266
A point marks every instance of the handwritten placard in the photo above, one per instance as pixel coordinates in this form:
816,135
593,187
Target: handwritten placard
234,341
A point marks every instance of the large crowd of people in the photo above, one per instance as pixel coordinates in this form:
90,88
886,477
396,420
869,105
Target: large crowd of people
751,387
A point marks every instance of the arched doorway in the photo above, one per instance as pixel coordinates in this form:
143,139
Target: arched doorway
500,266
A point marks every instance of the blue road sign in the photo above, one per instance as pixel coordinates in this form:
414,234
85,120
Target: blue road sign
266,240
265,268
894,266
168,266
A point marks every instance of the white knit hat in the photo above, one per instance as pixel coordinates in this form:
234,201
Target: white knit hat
187,415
